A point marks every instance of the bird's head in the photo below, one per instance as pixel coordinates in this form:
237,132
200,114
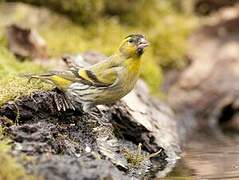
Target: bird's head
133,45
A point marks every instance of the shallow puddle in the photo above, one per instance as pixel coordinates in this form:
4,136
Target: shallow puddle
209,156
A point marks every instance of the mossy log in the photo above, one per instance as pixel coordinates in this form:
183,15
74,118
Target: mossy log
136,137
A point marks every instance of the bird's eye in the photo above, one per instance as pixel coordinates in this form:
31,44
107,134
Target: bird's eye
131,40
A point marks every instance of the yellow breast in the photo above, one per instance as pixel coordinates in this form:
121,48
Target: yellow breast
133,65
132,73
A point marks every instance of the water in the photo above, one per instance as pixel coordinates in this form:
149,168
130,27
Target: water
209,155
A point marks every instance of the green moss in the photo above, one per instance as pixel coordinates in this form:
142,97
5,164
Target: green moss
164,25
166,29
77,39
83,11
10,169
136,158
170,46
12,85
151,72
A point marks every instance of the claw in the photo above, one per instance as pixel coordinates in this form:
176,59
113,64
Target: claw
63,103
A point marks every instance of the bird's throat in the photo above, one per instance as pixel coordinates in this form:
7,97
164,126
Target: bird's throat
133,65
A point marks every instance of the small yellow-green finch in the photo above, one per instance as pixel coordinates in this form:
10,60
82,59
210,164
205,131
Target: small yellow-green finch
104,82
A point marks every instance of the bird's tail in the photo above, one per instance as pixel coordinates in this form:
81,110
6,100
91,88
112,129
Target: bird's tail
44,77
55,78
62,103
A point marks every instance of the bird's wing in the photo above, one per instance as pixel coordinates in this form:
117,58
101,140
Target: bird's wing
102,74
98,76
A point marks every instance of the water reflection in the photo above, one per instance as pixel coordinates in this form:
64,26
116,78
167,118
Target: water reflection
209,155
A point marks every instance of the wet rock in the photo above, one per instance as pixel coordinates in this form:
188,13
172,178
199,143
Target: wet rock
70,168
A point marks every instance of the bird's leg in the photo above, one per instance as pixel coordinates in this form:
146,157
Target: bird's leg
99,111
87,108
103,119
98,114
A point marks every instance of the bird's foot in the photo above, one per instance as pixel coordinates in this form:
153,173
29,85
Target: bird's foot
99,115
63,102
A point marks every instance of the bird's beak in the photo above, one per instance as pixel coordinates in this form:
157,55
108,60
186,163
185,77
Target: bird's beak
143,43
